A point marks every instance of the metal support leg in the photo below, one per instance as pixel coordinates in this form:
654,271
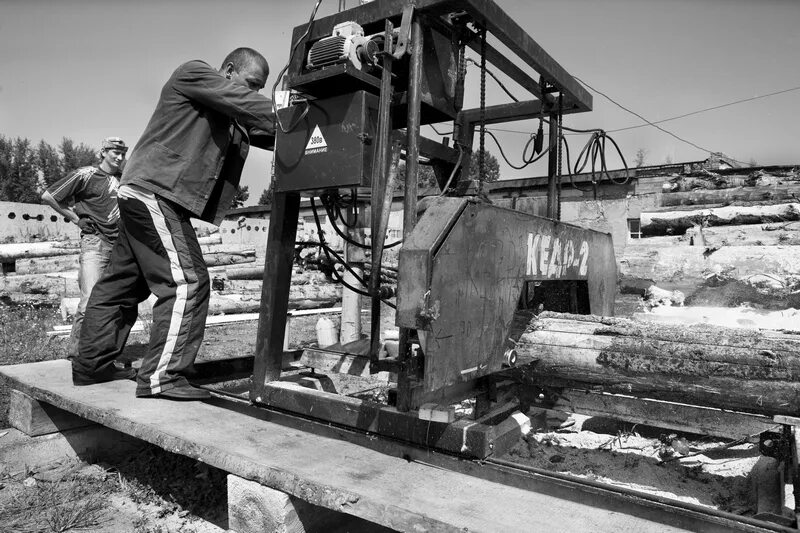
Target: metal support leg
409,371
275,292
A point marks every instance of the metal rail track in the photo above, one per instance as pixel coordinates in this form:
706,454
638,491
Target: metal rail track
689,517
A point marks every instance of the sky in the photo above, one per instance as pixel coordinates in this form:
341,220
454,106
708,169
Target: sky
87,69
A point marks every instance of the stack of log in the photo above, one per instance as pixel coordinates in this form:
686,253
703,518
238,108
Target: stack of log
713,229
726,368
46,273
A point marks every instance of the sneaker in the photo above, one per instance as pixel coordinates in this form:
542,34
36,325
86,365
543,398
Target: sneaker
79,379
180,392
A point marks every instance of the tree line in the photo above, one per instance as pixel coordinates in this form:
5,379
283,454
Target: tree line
27,169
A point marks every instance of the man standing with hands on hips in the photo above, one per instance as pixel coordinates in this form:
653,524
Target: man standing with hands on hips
187,163
87,197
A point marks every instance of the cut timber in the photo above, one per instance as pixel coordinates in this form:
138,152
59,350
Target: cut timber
46,265
215,238
302,297
744,370
254,508
40,284
779,234
730,317
695,263
229,258
27,250
676,222
667,415
786,192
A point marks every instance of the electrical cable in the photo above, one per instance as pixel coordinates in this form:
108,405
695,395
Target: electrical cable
690,143
334,213
328,251
525,162
286,67
500,83
699,111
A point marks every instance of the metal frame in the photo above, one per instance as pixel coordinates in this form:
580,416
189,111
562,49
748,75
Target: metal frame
449,17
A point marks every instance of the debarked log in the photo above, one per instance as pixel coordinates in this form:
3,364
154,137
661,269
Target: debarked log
25,250
710,366
677,221
300,297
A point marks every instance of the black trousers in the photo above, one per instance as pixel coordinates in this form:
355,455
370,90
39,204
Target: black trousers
157,252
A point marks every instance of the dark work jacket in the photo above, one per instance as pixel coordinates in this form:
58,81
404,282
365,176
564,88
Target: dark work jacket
193,149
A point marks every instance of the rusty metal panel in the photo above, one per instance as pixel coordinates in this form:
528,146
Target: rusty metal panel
414,262
476,280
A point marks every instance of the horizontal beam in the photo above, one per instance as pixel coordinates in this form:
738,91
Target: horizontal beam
486,13
508,112
497,21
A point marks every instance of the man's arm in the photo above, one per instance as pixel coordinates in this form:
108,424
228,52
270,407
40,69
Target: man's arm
199,82
61,208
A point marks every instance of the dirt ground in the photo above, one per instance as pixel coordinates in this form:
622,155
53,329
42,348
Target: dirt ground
159,492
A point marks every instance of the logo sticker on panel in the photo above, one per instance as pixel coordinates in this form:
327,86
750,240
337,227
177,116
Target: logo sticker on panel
316,144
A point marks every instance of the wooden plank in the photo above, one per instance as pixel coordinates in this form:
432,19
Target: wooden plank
467,437
333,473
342,363
667,415
35,418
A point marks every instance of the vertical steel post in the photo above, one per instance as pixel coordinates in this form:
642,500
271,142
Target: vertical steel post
275,292
409,371
379,177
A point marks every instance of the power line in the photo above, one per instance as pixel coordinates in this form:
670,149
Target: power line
690,143
708,109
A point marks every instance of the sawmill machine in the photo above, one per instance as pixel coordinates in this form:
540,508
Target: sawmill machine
359,86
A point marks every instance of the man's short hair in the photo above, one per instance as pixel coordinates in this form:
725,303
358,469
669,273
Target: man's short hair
244,57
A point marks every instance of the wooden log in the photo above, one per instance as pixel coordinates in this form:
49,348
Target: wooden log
695,263
676,222
215,238
40,284
26,250
229,258
746,370
215,248
47,265
785,234
300,297
788,192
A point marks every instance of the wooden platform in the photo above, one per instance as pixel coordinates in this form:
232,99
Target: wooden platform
332,473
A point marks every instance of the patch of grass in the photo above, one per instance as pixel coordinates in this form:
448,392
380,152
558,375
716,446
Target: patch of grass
56,507
23,339
23,334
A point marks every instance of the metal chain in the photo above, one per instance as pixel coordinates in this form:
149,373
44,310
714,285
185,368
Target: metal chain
559,151
482,136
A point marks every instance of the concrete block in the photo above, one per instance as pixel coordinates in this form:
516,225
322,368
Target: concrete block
19,451
35,418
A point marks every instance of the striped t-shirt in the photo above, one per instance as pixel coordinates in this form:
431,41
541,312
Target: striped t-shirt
92,193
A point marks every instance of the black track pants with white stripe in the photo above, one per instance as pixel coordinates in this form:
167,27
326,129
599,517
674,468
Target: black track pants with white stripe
157,252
